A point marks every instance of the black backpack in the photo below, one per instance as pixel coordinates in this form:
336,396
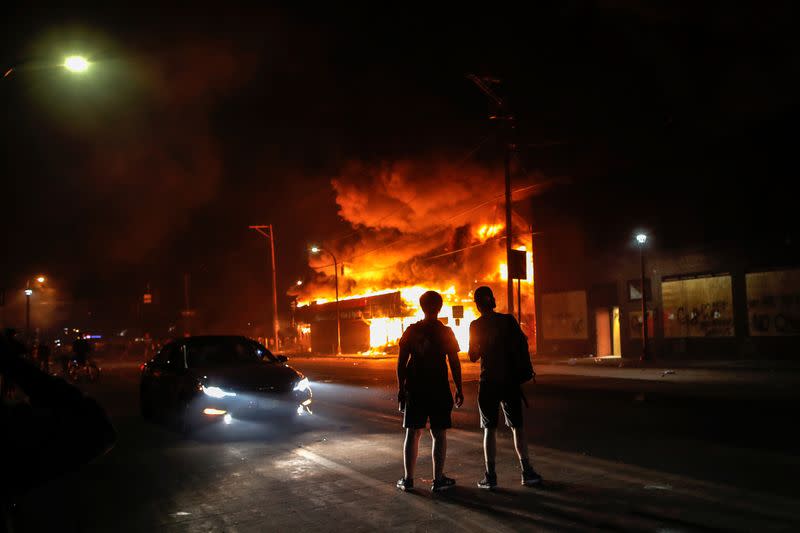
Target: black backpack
521,364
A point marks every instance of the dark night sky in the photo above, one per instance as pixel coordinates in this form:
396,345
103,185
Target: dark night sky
195,124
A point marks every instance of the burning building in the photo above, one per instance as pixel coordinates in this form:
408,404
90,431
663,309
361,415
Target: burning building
415,227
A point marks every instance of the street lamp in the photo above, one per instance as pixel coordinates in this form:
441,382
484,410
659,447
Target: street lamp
28,293
269,233
641,239
298,282
316,250
77,64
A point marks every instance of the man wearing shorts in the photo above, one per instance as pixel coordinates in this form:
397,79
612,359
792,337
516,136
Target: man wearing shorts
424,389
492,339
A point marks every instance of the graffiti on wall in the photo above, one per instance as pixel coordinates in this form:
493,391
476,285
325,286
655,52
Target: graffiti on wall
698,307
773,302
564,315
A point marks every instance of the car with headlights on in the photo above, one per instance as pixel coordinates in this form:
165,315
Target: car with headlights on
202,379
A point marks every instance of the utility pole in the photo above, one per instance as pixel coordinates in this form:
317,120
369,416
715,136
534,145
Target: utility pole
187,310
533,323
500,112
268,232
510,287
316,250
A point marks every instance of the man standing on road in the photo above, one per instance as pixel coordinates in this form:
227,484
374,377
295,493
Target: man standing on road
424,390
493,338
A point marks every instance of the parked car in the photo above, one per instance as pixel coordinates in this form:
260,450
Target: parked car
203,379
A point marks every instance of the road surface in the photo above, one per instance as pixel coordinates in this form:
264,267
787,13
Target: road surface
615,453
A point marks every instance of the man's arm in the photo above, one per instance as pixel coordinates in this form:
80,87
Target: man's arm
474,344
402,373
455,369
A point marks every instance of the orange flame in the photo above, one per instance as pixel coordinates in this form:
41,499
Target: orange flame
487,231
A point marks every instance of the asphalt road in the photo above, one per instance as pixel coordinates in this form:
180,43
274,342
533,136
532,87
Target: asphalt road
616,454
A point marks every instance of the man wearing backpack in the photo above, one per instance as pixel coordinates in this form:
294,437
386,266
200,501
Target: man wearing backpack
498,341
424,390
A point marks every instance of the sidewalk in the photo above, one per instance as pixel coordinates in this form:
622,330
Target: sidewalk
764,365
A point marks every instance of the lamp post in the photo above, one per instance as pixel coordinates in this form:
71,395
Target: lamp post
28,294
269,233
316,250
641,239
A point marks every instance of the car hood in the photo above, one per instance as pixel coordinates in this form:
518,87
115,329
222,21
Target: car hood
258,377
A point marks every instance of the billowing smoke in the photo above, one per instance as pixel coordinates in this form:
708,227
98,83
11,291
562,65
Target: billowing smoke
427,222
166,161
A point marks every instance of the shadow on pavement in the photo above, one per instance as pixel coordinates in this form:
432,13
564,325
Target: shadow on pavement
575,507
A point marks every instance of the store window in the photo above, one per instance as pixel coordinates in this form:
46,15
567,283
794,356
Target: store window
635,290
698,307
773,303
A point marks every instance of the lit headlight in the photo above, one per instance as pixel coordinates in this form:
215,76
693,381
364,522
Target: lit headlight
216,392
302,385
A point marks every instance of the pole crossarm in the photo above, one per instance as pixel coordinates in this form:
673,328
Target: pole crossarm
260,229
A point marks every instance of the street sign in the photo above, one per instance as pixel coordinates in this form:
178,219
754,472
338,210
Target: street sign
518,267
458,311
147,298
188,312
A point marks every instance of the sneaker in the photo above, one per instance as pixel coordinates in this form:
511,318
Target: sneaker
405,484
488,482
443,483
530,477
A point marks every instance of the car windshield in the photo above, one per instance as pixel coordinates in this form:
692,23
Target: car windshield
225,352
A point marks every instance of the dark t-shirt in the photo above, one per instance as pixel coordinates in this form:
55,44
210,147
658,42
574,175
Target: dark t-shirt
428,342
493,337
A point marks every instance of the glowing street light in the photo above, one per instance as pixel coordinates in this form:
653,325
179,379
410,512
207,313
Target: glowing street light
641,238
28,292
77,64
74,64
298,282
316,250
40,279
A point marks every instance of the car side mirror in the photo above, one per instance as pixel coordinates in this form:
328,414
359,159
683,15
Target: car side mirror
282,358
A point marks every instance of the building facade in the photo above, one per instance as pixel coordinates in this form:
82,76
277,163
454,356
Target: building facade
719,299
